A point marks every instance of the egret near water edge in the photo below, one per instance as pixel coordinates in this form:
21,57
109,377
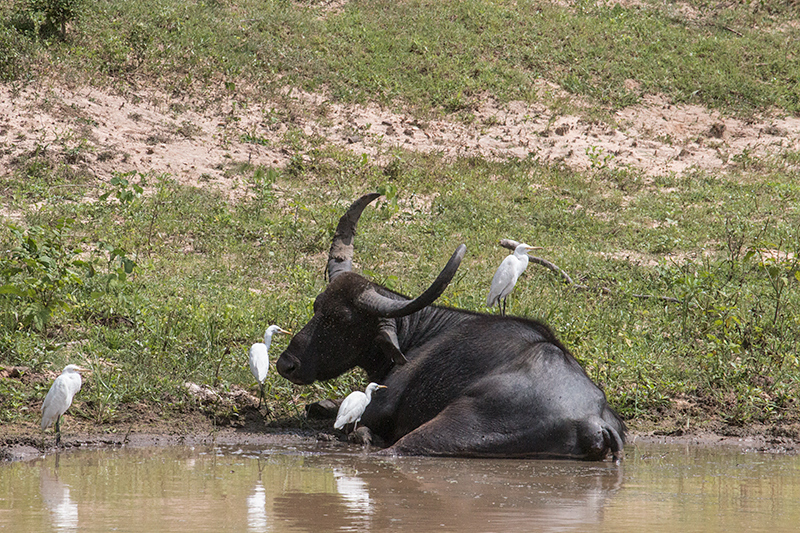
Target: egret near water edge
354,405
60,396
259,358
507,275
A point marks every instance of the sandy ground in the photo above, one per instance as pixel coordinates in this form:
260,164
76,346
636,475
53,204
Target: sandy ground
196,143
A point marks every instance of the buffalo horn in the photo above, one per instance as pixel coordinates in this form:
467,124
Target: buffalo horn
340,257
384,306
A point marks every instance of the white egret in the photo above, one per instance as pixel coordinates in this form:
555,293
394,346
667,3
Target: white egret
259,358
353,406
507,274
59,397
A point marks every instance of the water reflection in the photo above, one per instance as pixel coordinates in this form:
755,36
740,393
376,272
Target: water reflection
257,509
451,494
521,495
55,495
355,494
657,488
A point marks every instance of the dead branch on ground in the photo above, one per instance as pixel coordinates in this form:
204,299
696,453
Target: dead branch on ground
511,244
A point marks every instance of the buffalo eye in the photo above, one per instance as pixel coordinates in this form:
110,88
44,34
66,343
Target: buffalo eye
342,315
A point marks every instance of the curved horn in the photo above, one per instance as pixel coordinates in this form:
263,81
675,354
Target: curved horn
340,257
386,307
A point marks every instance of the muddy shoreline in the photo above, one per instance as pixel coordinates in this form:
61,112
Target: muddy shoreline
233,419
28,444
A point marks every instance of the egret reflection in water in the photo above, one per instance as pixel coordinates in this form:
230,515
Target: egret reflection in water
257,508
55,495
354,492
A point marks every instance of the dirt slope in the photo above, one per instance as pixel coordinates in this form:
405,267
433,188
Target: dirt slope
105,133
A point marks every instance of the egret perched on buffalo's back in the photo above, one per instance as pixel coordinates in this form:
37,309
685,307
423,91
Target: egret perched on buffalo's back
59,397
353,406
259,358
507,274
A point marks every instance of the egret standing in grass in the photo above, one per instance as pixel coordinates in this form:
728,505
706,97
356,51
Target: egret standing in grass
507,274
259,359
59,397
353,406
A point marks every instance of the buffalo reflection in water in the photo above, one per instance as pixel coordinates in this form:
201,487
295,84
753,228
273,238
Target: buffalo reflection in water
457,494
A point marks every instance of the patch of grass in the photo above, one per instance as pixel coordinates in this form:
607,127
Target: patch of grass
15,52
440,56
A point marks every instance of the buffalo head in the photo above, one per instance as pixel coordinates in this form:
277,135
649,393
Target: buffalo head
351,325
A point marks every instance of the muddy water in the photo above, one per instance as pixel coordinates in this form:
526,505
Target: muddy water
319,489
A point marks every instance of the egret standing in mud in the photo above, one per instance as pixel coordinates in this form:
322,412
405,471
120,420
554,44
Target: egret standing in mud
259,359
507,274
59,397
353,406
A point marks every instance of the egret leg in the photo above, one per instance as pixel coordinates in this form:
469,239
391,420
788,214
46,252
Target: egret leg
58,430
503,307
268,412
263,399
260,394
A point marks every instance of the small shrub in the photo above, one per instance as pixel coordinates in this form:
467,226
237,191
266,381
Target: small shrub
49,17
44,273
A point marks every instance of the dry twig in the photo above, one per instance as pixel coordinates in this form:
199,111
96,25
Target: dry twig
511,244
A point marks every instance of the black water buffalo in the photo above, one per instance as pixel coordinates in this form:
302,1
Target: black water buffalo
459,383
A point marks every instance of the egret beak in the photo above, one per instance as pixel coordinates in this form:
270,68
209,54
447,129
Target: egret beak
83,369
284,331
382,387
532,248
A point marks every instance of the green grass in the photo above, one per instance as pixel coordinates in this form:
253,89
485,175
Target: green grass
426,54
153,290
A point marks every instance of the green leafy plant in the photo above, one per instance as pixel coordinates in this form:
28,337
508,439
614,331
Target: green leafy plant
598,160
50,17
40,272
389,191
781,269
123,189
263,183
44,273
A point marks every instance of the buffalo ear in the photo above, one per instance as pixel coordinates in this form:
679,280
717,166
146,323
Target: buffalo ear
387,340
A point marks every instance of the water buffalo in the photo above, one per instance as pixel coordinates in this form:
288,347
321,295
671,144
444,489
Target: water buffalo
459,383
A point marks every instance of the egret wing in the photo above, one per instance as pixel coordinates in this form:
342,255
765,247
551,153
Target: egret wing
351,409
503,281
259,361
57,401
